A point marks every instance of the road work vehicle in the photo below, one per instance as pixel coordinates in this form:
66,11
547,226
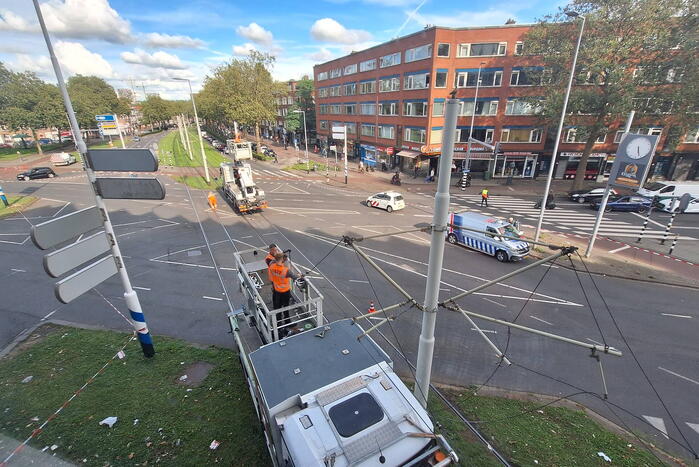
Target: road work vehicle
239,187
326,394
487,235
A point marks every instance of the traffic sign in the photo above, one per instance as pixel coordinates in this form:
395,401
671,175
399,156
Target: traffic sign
76,284
339,132
64,228
105,125
70,257
122,160
130,188
104,118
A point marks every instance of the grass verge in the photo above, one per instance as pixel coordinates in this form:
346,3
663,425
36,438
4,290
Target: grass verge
159,421
173,153
314,166
10,154
199,182
17,203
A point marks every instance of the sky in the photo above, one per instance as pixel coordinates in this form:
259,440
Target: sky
143,44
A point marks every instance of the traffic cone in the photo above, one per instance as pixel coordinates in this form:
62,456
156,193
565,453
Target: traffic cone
371,307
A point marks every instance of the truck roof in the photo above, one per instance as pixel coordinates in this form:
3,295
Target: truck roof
306,362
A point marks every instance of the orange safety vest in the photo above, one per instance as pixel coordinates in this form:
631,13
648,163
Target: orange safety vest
277,273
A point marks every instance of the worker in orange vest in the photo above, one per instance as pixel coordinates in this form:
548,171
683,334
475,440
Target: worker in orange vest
269,259
212,201
484,197
281,276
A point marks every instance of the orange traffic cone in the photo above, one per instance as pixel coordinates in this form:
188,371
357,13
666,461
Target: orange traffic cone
371,307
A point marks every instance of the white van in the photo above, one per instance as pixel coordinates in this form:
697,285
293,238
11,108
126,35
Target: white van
62,158
665,190
489,239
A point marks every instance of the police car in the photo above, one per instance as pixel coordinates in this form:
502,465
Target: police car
388,200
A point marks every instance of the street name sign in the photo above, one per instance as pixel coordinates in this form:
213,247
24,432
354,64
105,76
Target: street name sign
122,160
633,159
59,230
130,188
71,256
104,118
339,132
76,284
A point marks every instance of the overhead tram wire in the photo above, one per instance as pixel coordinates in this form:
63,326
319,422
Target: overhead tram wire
587,300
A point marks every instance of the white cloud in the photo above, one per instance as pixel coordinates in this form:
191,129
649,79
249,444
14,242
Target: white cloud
156,60
255,33
243,50
465,18
329,30
76,59
10,21
88,19
322,55
155,39
39,64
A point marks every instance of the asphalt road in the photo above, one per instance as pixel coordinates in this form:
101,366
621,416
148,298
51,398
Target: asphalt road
172,271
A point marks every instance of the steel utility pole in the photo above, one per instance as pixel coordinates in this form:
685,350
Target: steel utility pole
560,127
201,139
137,319
121,136
434,269
467,163
344,151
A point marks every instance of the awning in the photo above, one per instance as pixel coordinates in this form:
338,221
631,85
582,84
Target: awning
474,156
408,154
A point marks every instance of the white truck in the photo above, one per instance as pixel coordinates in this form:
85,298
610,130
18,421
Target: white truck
326,394
62,158
239,150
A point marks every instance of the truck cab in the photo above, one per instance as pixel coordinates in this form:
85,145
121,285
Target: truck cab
487,235
239,187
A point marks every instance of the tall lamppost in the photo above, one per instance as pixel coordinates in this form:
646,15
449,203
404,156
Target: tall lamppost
201,139
473,118
305,139
570,14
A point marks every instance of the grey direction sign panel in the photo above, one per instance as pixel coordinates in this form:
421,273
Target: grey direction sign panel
632,162
70,257
122,160
130,188
59,230
78,283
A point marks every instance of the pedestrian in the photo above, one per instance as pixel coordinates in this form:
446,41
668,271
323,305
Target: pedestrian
484,197
432,174
212,201
361,166
416,169
281,276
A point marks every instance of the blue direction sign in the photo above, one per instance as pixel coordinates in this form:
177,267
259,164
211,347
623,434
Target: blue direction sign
104,118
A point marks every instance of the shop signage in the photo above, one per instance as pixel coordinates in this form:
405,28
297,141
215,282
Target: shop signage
437,148
389,151
576,155
412,148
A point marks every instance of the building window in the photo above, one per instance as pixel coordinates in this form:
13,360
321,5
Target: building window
387,131
336,73
415,109
368,130
520,107
692,136
389,60
389,84
323,109
533,76
580,135
443,50
367,108
350,69
367,87
415,135
481,134
468,79
322,92
350,89
388,108
334,91
323,124
521,135
652,105
440,79
349,109
438,109
322,75
416,81
368,65
483,107
418,53
519,47
335,109
482,50
639,131
351,127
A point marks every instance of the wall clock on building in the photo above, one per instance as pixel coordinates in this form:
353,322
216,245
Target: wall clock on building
638,147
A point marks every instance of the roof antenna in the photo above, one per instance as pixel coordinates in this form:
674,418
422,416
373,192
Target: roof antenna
382,458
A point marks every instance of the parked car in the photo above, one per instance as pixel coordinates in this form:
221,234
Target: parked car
136,138
36,172
45,140
388,200
625,203
585,196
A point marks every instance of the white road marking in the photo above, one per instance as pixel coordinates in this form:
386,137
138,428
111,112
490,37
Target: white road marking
56,200
539,319
485,330
64,206
17,270
676,316
422,215
51,313
494,302
212,298
510,188
649,220
693,426
617,250
140,288
359,282
678,375
658,423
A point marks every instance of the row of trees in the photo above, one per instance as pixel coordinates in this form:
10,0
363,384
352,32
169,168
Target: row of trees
656,38
158,111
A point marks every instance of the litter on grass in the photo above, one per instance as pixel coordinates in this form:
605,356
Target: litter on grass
27,379
214,444
604,456
109,421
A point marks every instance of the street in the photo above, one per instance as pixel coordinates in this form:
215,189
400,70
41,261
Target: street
171,269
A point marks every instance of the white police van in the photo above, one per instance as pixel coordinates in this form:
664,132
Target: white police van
489,239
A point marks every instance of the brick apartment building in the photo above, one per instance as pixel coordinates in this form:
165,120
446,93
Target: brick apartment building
391,97
286,101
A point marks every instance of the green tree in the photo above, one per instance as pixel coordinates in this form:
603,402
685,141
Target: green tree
304,90
293,120
91,96
655,37
156,110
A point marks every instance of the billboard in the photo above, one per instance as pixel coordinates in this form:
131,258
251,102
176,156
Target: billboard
633,159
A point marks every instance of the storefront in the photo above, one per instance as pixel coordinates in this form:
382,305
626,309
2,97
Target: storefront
478,162
685,167
368,155
515,164
568,165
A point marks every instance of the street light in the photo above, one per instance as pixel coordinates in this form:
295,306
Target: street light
305,139
196,118
467,164
570,14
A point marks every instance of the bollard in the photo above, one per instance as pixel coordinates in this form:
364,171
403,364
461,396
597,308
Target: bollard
674,242
669,224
